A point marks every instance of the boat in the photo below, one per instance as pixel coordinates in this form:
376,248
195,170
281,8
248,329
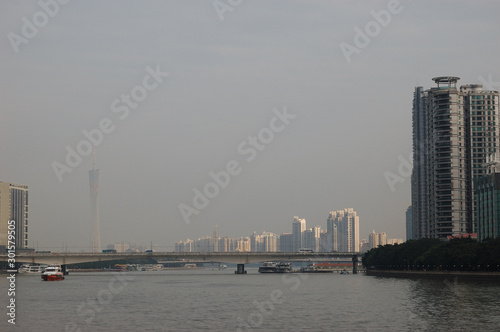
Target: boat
317,268
283,267
23,269
268,267
119,268
274,267
26,268
53,273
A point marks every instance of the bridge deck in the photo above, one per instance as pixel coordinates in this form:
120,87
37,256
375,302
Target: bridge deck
222,257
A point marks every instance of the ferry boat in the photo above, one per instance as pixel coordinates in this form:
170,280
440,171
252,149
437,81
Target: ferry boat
317,268
274,267
31,268
34,269
52,273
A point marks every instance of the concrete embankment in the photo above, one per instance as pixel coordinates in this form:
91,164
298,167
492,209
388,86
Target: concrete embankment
491,276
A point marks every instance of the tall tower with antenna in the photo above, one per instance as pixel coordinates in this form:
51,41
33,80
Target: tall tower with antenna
94,206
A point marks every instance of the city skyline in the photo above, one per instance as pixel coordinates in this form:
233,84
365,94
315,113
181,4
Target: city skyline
305,112
313,238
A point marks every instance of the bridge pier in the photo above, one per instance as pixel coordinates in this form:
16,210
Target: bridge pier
64,271
240,269
355,264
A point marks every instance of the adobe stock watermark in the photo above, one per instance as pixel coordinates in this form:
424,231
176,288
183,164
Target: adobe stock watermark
11,277
489,84
87,310
249,149
223,6
363,38
121,106
405,168
264,309
30,28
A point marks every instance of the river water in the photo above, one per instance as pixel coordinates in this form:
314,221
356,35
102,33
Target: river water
219,300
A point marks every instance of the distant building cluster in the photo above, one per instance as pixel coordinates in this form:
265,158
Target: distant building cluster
127,247
377,239
341,235
455,177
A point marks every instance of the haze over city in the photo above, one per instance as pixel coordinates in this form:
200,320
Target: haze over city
212,88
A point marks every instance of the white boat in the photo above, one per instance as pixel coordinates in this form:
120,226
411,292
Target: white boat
23,269
31,269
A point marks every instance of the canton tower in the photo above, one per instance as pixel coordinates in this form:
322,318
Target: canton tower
94,206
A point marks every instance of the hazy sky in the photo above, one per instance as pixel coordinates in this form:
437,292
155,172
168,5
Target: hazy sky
349,117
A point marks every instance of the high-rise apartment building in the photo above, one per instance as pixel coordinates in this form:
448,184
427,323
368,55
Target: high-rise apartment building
184,246
216,238
382,239
373,240
312,238
13,207
409,223
286,240
487,200
347,224
377,239
364,246
243,244
265,242
460,130
298,228
225,244
270,242
419,193
332,234
482,120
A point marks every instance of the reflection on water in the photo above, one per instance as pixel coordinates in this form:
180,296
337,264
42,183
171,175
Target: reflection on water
456,305
204,300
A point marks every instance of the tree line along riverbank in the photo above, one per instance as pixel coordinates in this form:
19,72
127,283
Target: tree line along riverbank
460,254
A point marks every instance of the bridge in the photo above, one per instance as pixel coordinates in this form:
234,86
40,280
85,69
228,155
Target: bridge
239,258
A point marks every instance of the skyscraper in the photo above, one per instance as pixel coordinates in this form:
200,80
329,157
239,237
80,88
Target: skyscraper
482,138
13,206
409,223
298,228
286,240
419,193
487,200
332,236
461,130
311,238
382,239
94,207
373,240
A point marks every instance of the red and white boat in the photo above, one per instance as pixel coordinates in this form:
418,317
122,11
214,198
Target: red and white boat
53,273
